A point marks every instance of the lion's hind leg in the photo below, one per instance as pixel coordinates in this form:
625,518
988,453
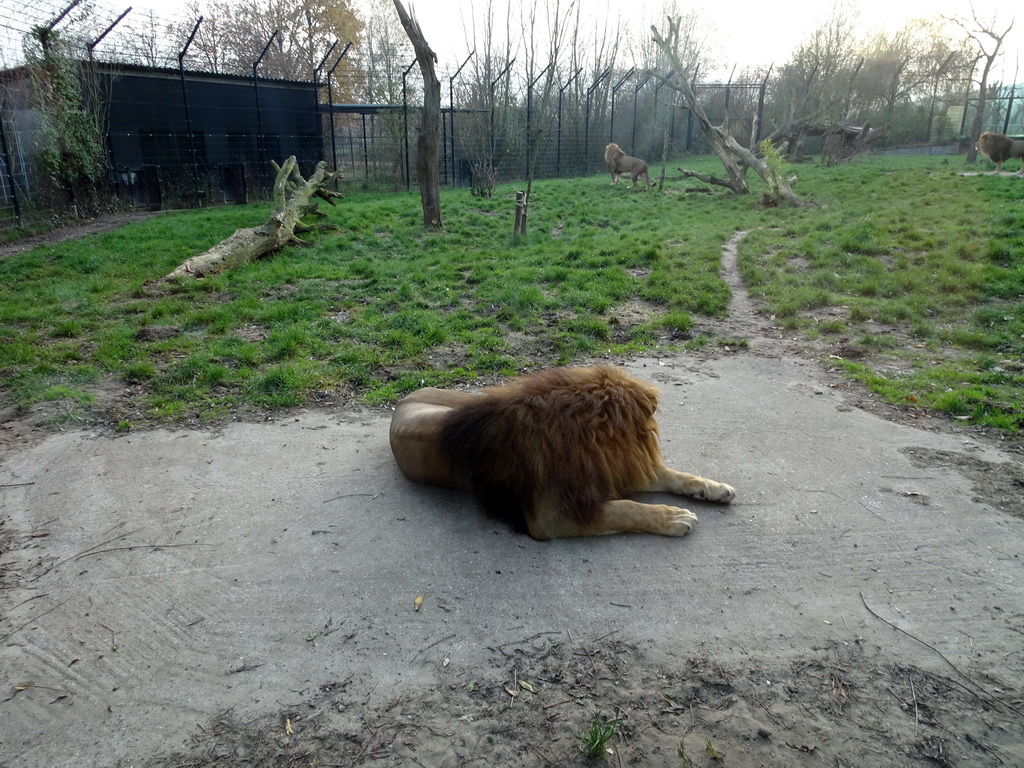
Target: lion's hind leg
642,174
414,435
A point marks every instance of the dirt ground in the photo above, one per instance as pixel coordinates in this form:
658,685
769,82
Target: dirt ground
94,226
249,595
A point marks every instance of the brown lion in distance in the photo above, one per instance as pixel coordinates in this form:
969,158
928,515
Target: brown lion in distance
1000,148
620,163
554,452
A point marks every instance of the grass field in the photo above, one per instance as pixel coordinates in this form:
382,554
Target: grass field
913,269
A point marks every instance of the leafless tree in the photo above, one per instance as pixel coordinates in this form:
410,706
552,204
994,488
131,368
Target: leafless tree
386,53
903,71
146,40
695,43
816,83
234,33
487,93
428,139
736,159
542,67
989,41
853,91
384,56
212,42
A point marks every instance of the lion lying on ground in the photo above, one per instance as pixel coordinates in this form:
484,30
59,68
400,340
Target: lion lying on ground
619,163
1000,148
554,452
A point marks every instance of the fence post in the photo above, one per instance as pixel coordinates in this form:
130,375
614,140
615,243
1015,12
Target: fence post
259,117
8,164
1009,108
316,97
451,112
330,104
529,117
188,117
689,114
586,120
636,95
558,150
494,83
615,89
519,229
405,124
366,151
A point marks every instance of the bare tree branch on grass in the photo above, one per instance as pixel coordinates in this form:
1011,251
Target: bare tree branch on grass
734,156
293,202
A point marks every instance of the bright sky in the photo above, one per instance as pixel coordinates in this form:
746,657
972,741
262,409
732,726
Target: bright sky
744,32
754,32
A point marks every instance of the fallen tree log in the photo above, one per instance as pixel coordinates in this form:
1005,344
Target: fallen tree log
842,140
294,200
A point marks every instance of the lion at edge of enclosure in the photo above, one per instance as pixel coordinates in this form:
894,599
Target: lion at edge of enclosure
620,163
553,452
999,148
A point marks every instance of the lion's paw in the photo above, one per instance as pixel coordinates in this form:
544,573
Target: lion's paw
680,522
720,492
713,491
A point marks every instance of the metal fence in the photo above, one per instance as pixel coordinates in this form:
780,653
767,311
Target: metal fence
187,139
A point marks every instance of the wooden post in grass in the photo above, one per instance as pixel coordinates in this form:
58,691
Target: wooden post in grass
520,225
294,199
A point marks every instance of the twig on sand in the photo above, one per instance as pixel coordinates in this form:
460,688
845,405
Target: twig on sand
137,546
32,621
37,577
559,703
427,648
973,689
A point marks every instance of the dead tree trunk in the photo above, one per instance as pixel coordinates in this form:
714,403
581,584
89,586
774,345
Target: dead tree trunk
736,158
428,139
293,201
842,140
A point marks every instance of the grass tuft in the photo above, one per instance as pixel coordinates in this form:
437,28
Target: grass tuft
593,740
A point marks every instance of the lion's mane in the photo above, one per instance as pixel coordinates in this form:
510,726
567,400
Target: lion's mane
1000,148
612,153
585,435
